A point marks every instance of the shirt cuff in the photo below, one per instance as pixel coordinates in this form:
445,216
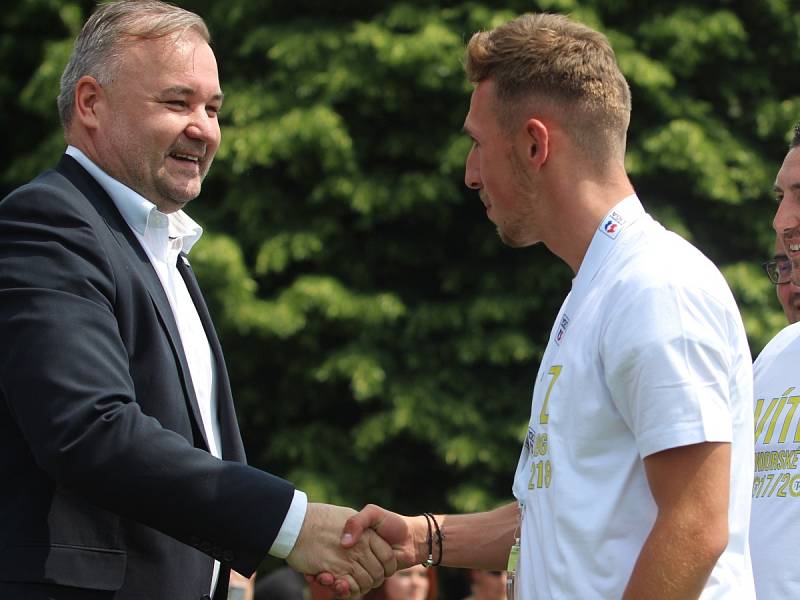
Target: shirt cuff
292,524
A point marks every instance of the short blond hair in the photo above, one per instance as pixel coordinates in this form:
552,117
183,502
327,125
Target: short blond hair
551,58
103,39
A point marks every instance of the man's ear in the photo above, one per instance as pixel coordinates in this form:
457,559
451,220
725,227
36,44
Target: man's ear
537,140
88,95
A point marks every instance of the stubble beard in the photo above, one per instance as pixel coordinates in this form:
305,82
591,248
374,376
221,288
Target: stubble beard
521,231
511,241
171,196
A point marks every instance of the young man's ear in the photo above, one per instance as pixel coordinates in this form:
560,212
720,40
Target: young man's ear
537,139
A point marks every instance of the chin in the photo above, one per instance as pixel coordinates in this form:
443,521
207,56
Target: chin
179,199
513,242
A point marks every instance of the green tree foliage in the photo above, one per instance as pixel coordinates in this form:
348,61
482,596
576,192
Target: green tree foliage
382,341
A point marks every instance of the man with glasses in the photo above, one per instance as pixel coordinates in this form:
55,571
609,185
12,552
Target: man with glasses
779,271
775,520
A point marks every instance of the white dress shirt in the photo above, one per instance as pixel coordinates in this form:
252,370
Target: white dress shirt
163,237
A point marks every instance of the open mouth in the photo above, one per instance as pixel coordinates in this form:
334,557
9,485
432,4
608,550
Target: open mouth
791,244
187,158
791,240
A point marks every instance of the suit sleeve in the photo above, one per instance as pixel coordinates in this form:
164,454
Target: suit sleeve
65,377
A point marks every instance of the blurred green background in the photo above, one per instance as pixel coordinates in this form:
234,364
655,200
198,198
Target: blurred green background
382,342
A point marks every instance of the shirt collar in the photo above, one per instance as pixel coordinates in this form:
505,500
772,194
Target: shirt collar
138,212
626,212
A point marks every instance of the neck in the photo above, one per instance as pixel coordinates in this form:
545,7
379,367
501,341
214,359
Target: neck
580,207
79,139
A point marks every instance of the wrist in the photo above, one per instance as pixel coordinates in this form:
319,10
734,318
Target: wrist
419,536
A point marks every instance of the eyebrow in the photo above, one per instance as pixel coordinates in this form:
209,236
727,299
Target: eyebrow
184,90
795,187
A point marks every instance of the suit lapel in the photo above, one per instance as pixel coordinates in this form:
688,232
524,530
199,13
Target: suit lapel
232,448
141,265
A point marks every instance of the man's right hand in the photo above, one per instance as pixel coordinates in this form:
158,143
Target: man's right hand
406,535
363,564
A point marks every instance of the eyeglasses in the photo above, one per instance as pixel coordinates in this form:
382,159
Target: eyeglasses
779,270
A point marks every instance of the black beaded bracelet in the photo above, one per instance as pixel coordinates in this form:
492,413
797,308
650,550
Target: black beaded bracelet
439,540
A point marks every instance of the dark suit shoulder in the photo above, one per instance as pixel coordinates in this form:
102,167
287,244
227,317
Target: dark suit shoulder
49,239
48,197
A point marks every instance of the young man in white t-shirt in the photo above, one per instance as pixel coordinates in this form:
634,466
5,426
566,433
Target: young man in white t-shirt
635,475
775,524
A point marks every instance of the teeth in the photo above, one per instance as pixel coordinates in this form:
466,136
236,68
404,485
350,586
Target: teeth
187,157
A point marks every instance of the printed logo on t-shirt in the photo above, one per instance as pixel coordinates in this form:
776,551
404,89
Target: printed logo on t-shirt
530,439
540,465
777,436
536,443
562,329
613,225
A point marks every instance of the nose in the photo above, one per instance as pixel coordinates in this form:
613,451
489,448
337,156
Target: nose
203,127
785,217
472,171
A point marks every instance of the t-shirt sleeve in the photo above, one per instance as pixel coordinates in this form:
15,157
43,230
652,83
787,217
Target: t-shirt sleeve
667,355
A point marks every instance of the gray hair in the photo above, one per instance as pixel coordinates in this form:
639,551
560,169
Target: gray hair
112,27
795,138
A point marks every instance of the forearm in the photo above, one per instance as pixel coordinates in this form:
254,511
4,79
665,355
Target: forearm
472,541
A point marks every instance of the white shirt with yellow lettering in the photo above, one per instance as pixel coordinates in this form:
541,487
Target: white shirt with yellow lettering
775,521
647,353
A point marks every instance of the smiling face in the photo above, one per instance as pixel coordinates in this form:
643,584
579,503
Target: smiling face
496,170
787,218
788,293
157,121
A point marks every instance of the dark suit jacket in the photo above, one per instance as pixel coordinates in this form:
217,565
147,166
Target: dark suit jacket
107,489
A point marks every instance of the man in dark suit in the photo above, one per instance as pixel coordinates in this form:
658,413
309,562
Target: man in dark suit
123,472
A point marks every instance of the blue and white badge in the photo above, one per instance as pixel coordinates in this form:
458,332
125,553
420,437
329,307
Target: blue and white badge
562,329
612,225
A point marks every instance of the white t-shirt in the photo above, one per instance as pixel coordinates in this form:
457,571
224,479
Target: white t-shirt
647,353
775,522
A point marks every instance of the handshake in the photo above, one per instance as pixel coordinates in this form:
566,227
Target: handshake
353,552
